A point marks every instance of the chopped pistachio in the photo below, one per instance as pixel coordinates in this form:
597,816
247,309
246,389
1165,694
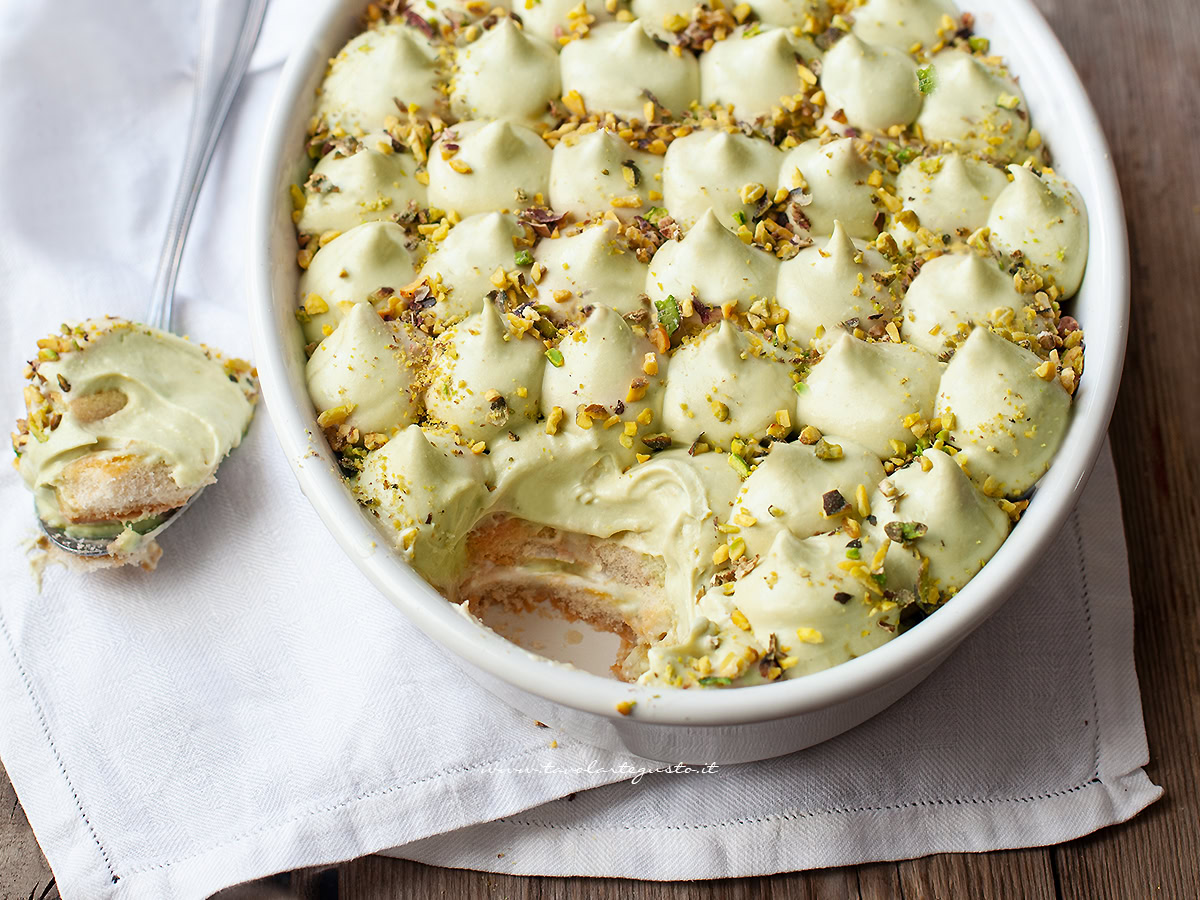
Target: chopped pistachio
905,532
926,79
668,313
739,465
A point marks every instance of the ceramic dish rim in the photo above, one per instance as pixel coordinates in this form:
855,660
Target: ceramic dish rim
281,376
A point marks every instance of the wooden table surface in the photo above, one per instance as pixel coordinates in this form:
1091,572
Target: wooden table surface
1141,63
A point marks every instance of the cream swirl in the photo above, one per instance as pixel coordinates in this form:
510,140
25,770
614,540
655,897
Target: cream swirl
551,20
1007,419
618,65
429,491
465,261
785,490
902,23
824,288
601,373
874,86
590,267
799,594
504,74
367,368
726,383
959,528
351,268
481,166
597,172
949,194
866,391
950,294
727,173
790,13
372,72
712,265
835,175
974,107
753,70
484,380
367,186
1044,219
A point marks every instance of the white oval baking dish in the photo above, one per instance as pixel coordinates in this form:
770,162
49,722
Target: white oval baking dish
707,726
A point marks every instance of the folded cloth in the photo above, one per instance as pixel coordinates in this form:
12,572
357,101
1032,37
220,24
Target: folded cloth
255,706
1030,734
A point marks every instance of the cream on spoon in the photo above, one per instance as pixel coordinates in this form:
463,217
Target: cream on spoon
127,422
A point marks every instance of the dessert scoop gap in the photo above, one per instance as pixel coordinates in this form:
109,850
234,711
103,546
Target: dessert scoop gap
215,90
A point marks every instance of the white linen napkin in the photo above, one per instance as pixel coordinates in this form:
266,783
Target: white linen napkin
255,706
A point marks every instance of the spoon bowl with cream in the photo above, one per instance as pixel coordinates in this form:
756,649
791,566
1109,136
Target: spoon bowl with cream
125,425
126,422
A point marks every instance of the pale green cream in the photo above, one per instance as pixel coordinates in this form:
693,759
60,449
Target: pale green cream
760,577
431,489
183,406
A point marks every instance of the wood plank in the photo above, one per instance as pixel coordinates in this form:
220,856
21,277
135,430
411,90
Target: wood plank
23,870
1004,875
879,881
382,878
1142,69
315,884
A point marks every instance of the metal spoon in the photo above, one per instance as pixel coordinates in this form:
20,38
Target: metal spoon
214,97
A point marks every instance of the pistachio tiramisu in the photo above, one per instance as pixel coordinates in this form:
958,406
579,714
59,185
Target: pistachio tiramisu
737,330
124,423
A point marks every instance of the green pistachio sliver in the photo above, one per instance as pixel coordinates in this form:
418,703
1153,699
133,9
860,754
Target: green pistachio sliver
926,79
905,532
668,313
555,356
823,449
739,465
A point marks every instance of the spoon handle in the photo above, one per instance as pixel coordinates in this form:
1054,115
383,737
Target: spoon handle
211,105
